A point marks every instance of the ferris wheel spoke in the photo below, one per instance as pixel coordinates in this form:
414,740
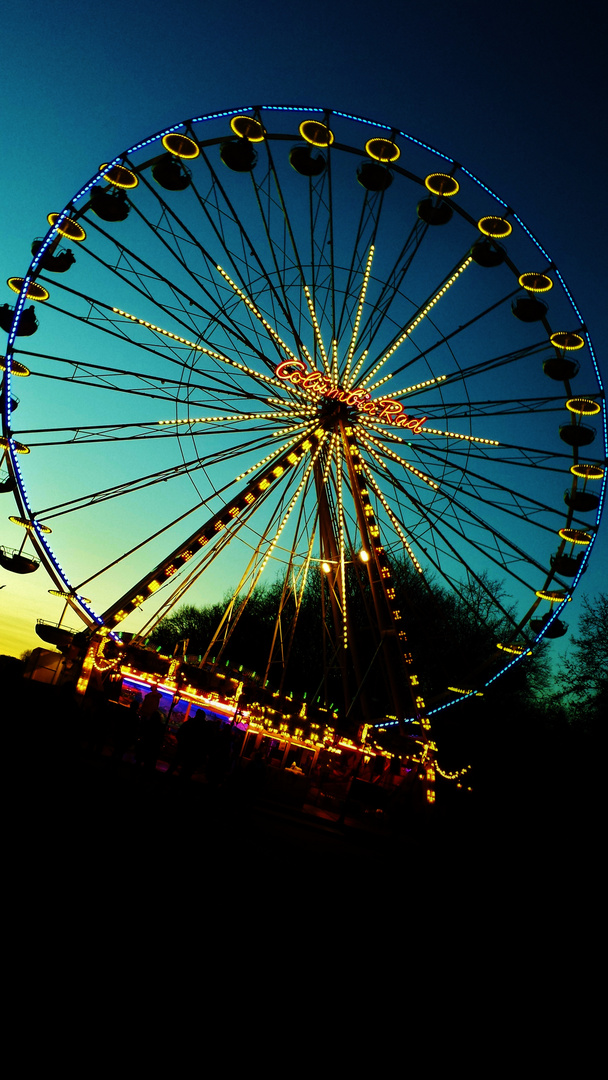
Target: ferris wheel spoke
378,364
188,305
213,289
320,216
172,591
252,373
499,548
359,268
467,371
391,289
176,584
373,444
290,306
237,329
166,391
172,340
141,277
249,581
98,433
457,557
145,384
531,457
445,569
145,429
104,313
492,546
477,503
251,577
396,522
281,243
251,270
259,545
321,286
467,410
169,354
240,507
457,587
486,587
470,371
166,230
294,585
116,491
198,464
476,448
487,489
320,291
262,551
464,465
250,267
512,504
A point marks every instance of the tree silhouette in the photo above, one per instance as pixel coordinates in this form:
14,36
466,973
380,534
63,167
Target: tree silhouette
584,676
452,636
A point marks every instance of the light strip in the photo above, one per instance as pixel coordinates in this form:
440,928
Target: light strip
226,419
366,438
250,304
289,510
328,463
372,483
304,426
465,438
317,330
198,348
418,386
341,545
357,369
363,290
433,431
275,453
444,288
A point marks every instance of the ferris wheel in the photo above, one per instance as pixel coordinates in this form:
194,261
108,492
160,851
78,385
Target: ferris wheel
290,344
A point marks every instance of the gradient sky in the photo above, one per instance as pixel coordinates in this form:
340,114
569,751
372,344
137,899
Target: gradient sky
515,94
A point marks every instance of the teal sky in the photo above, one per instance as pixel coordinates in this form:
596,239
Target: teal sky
511,94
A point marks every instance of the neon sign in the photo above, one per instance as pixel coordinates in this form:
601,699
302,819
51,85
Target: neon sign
319,385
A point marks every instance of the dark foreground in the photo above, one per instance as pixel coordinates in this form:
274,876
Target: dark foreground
84,825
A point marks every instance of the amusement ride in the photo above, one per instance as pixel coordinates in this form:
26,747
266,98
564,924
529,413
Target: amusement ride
294,346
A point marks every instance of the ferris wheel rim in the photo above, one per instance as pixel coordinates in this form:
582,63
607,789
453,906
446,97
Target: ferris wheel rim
40,542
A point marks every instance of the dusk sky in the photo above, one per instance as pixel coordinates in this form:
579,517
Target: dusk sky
515,94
